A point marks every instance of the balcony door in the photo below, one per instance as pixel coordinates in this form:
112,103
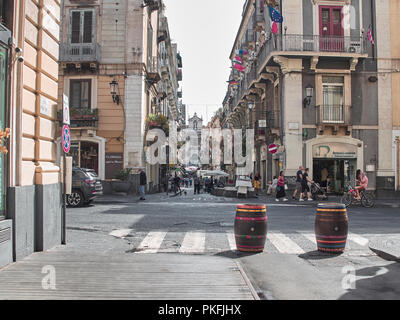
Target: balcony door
333,99
82,26
331,29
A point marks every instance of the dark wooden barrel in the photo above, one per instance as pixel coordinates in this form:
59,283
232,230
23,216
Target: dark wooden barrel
251,227
331,227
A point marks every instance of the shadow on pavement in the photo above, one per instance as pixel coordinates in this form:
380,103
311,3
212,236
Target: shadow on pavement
234,254
318,255
376,283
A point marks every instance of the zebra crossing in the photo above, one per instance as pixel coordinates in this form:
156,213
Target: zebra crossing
202,242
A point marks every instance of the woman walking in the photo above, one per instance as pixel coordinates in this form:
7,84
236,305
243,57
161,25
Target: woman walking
280,189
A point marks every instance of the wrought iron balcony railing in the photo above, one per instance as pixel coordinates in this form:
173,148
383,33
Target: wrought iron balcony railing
80,52
333,115
311,43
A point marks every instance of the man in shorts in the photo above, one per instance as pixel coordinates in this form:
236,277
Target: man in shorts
299,179
304,186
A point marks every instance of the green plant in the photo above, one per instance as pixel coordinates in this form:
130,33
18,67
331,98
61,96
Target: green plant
123,174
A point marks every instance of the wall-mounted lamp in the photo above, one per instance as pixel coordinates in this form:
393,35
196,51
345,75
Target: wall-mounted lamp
114,90
250,104
309,96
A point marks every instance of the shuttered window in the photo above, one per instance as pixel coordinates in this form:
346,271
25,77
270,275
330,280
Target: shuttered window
80,94
82,26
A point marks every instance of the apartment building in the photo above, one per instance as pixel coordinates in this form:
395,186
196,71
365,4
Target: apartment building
30,192
112,63
318,88
395,67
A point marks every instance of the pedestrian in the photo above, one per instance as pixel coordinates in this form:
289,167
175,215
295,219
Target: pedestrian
280,189
196,185
191,182
177,184
299,180
272,186
257,183
142,183
305,187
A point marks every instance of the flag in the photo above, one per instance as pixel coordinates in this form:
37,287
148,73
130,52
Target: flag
274,27
239,67
241,52
233,82
275,15
370,36
238,60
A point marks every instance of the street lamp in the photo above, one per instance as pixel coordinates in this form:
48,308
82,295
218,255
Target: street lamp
309,96
114,90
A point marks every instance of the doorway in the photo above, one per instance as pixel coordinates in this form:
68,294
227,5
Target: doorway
331,29
334,174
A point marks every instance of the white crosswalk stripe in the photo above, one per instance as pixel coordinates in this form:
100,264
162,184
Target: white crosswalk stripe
310,237
284,244
231,241
194,242
152,242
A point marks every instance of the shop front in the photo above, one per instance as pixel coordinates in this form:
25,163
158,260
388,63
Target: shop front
333,162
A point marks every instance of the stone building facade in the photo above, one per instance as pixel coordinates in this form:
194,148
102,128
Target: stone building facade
113,58
30,192
321,91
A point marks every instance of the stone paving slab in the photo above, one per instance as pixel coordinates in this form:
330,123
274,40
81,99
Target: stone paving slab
145,277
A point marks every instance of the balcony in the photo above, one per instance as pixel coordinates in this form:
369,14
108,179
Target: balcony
81,118
80,52
153,5
309,45
152,74
267,123
333,115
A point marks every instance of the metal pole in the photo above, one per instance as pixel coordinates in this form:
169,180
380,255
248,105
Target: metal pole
397,155
63,215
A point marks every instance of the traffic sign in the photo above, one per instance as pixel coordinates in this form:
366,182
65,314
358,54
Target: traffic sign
66,138
272,148
66,110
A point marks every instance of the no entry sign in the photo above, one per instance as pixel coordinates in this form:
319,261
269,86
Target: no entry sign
272,148
66,138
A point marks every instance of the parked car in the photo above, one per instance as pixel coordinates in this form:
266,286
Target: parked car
86,185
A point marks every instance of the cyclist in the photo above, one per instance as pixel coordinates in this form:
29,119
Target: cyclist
361,183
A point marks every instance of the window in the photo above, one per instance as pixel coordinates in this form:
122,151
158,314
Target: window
80,93
331,29
82,26
333,99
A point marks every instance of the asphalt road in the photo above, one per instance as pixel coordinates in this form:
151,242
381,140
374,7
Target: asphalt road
289,268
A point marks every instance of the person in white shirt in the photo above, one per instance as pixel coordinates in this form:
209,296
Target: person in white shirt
272,187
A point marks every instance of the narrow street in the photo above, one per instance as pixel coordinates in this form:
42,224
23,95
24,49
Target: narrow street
183,248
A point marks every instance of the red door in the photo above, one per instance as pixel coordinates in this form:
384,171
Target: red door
331,29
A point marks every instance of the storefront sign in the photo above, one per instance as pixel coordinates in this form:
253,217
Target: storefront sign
114,163
335,151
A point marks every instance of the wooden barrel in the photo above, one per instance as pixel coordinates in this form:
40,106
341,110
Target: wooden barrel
251,227
331,227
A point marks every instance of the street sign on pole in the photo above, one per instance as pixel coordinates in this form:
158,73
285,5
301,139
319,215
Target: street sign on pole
272,148
66,110
66,138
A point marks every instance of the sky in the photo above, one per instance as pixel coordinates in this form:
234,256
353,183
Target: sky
205,32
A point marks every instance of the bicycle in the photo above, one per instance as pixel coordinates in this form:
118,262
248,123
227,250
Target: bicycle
350,197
